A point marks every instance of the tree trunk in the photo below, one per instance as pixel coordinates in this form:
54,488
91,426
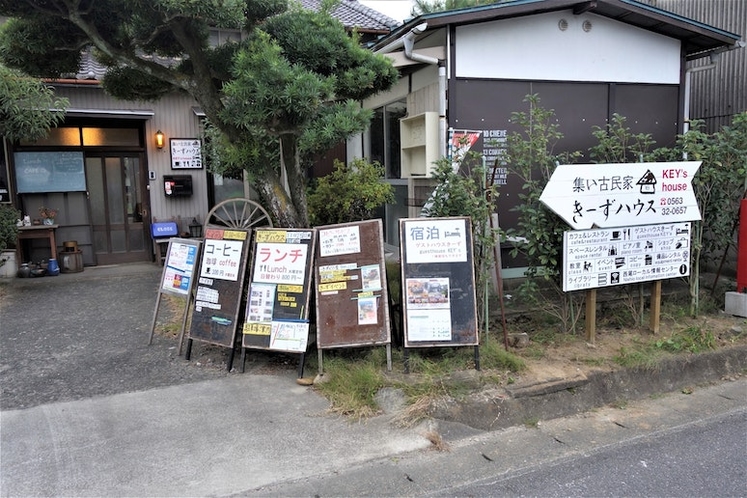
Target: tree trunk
277,202
296,176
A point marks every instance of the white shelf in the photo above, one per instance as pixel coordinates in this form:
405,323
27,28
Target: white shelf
419,144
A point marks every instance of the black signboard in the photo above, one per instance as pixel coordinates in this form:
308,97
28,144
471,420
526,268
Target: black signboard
50,172
277,304
438,282
220,283
351,287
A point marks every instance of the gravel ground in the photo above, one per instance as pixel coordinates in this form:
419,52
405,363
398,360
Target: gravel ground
83,335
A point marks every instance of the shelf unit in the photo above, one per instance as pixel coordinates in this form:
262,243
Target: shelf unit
419,144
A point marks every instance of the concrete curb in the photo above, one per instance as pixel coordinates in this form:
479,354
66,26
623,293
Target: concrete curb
505,407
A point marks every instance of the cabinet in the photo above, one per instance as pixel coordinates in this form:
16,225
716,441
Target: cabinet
419,143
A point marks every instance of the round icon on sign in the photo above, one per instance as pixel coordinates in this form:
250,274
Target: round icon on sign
683,269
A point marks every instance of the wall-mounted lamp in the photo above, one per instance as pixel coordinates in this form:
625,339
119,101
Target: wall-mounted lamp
159,139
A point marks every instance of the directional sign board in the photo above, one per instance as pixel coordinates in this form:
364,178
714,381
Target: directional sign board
628,194
614,256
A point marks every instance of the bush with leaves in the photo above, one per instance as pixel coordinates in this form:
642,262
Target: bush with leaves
462,192
539,232
719,185
350,193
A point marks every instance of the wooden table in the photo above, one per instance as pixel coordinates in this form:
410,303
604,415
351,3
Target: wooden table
37,232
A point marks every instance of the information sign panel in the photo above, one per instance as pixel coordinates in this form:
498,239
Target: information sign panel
277,305
186,153
438,282
628,194
614,256
179,266
219,286
351,287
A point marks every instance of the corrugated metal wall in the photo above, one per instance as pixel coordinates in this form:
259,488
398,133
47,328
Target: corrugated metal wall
720,93
173,115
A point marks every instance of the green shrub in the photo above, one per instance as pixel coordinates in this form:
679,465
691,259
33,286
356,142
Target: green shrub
350,193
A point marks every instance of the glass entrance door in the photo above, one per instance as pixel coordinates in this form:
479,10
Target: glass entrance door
119,211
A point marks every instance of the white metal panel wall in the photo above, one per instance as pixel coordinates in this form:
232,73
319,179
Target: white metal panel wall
173,115
535,48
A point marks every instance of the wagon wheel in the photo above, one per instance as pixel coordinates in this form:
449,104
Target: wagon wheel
237,213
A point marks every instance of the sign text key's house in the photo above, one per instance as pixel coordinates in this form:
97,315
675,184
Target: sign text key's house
470,69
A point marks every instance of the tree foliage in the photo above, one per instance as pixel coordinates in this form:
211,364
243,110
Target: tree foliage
283,93
463,191
350,193
28,108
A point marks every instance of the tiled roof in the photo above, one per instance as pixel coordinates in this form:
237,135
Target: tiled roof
356,15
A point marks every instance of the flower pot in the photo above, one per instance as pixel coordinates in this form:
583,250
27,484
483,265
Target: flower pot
48,221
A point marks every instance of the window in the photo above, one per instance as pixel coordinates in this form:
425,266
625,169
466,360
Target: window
384,136
384,148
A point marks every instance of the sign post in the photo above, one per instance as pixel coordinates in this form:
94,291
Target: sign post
177,278
219,288
277,307
631,225
439,304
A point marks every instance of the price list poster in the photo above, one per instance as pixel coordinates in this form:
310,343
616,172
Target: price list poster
438,282
277,305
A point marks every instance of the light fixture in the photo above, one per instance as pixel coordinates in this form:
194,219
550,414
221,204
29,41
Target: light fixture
159,139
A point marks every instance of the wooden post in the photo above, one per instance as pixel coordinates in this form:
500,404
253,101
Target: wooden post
655,306
591,315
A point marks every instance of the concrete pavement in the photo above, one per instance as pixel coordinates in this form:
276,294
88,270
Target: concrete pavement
88,409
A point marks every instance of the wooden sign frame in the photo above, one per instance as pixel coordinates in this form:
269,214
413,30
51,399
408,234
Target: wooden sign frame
439,304
351,287
276,316
220,287
181,260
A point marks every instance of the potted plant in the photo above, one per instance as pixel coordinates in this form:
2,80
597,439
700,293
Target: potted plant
47,215
9,217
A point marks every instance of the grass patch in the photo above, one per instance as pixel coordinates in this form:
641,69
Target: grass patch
639,356
351,386
691,340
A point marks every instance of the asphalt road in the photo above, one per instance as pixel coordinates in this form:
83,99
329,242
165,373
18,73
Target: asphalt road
678,445
704,458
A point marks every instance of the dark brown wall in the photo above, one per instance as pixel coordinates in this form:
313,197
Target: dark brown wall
488,105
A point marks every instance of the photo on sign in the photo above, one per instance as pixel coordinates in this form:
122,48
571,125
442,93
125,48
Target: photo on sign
367,312
427,293
371,277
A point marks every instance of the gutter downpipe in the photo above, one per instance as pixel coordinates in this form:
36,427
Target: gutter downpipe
407,42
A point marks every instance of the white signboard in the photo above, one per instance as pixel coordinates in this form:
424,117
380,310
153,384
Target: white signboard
277,263
221,259
616,256
340,240
627,194
436,241
186,153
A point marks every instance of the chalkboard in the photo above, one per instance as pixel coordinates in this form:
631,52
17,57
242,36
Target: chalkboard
438,282
50,172
277,304
351,287
220,283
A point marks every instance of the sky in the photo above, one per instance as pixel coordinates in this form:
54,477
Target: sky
396,9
